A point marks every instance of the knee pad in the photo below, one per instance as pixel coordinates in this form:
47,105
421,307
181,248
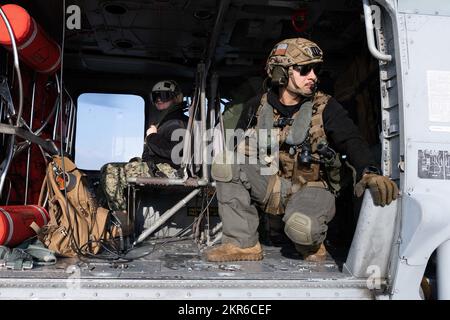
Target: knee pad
299,229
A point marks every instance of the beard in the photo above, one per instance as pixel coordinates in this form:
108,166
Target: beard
305,92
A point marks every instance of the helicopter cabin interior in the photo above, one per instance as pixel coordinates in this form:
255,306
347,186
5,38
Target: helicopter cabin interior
216,50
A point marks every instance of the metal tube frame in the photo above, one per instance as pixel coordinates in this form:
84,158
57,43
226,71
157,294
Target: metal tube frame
202,73
58,110
186,161
27,177
205,179
4,166
73,109
166,216
16,65
370,36
47,120
10,153
223,8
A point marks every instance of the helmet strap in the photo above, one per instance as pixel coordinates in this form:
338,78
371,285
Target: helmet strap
296,88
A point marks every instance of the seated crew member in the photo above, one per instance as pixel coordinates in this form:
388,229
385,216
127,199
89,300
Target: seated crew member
156,160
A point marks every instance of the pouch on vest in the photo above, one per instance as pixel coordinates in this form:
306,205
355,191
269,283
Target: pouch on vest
299,129
339,175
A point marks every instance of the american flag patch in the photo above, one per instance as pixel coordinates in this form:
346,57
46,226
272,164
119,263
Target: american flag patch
281,49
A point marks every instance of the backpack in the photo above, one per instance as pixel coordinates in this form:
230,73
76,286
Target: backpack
77,225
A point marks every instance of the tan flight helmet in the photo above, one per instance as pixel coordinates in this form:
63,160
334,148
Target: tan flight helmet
290,52
166,90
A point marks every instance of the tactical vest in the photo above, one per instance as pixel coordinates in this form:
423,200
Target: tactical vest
307,126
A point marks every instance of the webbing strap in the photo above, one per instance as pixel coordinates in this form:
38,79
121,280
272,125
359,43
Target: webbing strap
273,205
35,227
317,132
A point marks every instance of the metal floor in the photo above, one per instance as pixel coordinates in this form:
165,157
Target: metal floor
182,260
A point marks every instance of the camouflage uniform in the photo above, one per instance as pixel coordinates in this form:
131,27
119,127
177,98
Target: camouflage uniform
156,158
298,193
301,189
114,177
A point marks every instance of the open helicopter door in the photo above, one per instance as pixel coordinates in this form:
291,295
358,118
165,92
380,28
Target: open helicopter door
372,243
421,78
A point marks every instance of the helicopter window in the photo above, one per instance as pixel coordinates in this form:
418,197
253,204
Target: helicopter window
109,129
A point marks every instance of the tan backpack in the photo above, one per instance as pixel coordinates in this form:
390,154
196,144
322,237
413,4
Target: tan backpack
75,226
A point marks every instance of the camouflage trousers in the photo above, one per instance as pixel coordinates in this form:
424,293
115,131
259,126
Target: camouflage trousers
113,181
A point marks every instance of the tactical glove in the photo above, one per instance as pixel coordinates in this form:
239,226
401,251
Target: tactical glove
383,189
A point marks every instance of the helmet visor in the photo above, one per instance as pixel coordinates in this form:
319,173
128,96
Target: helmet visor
306,69
162,96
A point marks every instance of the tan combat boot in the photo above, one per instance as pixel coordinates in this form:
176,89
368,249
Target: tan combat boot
316,253
229,252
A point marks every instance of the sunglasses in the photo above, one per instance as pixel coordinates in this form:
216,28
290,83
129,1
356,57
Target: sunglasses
163,96
306,69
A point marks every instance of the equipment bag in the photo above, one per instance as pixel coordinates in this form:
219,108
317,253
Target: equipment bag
77,225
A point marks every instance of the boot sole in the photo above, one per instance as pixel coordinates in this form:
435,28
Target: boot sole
231,258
